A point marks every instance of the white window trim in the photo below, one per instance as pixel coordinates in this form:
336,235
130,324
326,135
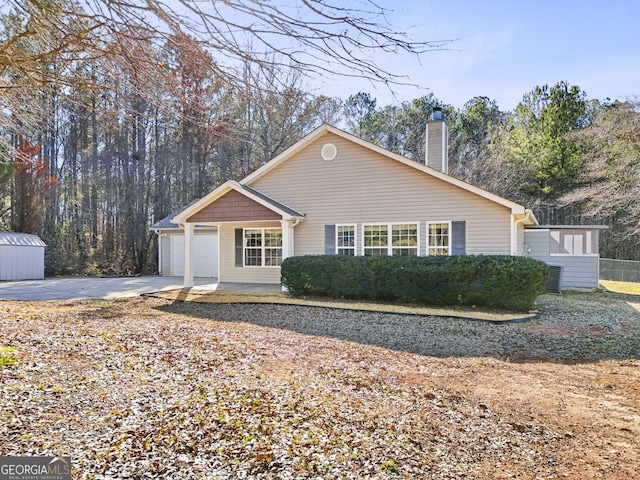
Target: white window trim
263,248
355,237
448,222
389,227
417,247
364,228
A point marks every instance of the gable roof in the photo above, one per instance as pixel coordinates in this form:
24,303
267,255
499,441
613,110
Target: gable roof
251,193
271,201
323,129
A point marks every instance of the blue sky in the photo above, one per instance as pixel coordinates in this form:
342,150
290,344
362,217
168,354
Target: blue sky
506,48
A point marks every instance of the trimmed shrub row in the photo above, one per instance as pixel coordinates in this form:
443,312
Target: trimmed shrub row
497,281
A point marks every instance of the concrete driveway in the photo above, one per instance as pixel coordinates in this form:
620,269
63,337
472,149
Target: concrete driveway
85,287
110,288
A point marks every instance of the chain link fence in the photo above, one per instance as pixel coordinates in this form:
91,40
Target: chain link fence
620,270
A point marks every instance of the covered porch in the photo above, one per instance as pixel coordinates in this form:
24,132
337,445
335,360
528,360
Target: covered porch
255,234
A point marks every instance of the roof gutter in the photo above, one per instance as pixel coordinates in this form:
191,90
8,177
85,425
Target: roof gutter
528,216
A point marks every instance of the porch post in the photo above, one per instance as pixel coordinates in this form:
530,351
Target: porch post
287,238
188,254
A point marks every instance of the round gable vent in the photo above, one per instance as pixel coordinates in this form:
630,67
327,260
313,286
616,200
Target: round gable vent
329,151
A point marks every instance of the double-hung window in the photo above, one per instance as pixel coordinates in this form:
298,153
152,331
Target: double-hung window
262,247
376,240
404,239
346,240
390,239
439,238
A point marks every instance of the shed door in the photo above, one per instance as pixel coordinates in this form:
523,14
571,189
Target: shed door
205,255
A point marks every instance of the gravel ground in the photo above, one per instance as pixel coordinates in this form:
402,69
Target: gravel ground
575,327
147,388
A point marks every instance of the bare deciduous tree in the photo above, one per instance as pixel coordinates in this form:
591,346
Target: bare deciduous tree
313,36
611,174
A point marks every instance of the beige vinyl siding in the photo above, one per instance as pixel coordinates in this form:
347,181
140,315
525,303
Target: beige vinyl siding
227,261
164,262
360,187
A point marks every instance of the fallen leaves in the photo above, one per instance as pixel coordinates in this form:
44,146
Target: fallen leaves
145,389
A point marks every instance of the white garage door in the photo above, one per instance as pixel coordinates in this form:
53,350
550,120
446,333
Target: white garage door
205,255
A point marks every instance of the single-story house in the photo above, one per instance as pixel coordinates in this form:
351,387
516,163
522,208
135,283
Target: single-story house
335,193
21,256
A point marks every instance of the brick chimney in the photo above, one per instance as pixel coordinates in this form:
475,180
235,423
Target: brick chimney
437,151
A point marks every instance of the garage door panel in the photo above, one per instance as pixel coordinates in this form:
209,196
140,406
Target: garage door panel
177,255
205,255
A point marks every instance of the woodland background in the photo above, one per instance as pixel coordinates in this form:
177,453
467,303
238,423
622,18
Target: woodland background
110,123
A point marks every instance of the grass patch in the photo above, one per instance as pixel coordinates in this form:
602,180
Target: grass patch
630,288
7,357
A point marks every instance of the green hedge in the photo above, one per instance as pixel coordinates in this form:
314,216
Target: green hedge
497,281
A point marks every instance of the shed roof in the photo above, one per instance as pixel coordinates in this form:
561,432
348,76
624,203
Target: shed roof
567,227
21,239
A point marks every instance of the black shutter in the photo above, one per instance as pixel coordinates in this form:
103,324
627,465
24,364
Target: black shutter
239,246
459,240
329,239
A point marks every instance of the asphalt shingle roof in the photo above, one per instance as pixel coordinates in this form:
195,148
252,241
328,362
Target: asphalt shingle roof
166,222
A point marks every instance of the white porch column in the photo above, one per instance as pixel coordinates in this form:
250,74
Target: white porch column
287,238
189,229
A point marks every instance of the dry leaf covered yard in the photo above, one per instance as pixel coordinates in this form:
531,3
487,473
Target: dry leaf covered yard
150,388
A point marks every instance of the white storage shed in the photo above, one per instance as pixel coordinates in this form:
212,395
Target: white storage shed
21,256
